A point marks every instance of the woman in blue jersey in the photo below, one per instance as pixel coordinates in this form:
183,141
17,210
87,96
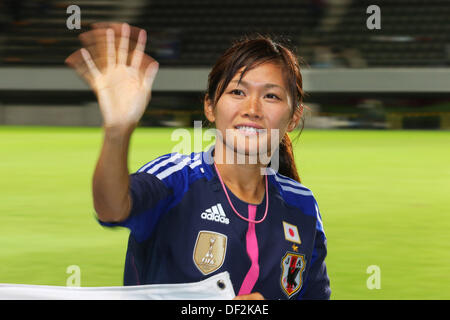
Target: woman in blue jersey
224,209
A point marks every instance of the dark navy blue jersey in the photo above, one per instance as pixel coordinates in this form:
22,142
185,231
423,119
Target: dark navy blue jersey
183,229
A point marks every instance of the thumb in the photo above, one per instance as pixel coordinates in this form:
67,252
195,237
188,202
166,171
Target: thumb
251,296
150,74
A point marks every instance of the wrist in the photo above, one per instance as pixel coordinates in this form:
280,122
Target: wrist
119,131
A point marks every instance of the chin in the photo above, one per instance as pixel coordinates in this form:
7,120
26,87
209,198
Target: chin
248,148
251,155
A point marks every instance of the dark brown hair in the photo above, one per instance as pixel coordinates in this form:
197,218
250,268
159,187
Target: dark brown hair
249,53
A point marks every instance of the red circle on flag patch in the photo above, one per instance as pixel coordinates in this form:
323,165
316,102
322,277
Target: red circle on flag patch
291,232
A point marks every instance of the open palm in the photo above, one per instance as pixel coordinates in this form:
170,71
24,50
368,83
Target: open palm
121,78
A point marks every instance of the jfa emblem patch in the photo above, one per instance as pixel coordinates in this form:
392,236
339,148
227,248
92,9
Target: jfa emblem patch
209,251
292,266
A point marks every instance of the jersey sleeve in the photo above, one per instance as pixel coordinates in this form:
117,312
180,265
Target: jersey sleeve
146,191
317,284
155,189
149,197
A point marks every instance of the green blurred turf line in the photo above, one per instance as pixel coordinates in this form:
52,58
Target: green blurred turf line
383,196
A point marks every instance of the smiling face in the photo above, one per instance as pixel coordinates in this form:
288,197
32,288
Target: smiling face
253,114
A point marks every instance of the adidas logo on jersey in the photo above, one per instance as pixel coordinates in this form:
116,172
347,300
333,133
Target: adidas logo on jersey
215,213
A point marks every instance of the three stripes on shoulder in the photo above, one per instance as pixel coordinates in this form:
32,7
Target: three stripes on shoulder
171,163
164,166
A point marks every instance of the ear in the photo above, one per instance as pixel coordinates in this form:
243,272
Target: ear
296,117
209,109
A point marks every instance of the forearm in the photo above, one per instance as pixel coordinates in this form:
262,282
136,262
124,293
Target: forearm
111,177
123,92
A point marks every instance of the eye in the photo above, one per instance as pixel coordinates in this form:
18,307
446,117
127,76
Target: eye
272,96
237,92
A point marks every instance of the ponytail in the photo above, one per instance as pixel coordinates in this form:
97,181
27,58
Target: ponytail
287,165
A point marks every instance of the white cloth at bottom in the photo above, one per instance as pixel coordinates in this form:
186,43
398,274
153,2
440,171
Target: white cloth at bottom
217,287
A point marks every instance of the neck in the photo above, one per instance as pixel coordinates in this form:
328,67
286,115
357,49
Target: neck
244,180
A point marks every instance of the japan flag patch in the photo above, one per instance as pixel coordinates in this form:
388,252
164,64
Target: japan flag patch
291,233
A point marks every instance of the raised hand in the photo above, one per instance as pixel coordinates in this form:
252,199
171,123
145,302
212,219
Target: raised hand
115,66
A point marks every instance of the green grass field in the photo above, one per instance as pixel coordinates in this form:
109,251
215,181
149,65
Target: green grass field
384,198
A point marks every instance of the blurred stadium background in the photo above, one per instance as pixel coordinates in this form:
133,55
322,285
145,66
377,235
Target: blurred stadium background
375,148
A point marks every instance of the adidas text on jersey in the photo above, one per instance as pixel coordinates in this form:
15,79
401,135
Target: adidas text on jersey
215,213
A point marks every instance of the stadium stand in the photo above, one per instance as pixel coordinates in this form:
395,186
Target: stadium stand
346,64
193,33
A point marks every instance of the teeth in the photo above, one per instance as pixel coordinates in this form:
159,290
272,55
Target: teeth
250,129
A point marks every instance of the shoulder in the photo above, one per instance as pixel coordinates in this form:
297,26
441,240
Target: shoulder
291,187
296,194
174,167
291,190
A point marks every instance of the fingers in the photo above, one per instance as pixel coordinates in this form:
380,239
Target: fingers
99,44
81,61
150,74
135,33
251,296
95,41
139,50
110,43
105,24
123,45
117,28
90,63
76,62
111,48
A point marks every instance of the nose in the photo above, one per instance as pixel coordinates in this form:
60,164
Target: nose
252,108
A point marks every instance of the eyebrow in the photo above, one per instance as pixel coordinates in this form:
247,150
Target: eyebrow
267,85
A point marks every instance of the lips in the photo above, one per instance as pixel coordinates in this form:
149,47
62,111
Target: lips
249,129
252,125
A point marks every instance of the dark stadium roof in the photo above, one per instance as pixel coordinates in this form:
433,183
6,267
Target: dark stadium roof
193,33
